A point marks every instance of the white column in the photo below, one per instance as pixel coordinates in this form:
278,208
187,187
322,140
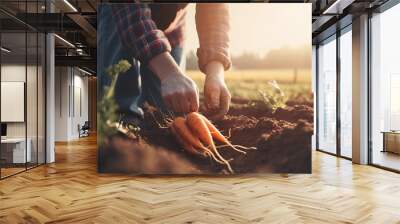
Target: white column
360,90
50,93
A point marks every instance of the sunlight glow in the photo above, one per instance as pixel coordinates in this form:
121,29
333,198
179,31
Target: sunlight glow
260,27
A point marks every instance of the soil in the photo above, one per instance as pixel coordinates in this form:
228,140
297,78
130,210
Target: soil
282,139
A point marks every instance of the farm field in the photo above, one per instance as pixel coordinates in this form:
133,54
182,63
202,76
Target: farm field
247,83
277,119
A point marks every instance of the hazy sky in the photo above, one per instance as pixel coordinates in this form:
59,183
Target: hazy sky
260,27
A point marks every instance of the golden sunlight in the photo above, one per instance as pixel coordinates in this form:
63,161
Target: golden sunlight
260,27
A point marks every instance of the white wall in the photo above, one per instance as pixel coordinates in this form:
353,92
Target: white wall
71,94
61,103
80,111
16,73
314,88
12,73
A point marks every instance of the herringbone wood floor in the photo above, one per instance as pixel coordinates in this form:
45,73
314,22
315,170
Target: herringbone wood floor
71,191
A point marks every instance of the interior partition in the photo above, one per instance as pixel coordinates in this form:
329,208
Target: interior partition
23,91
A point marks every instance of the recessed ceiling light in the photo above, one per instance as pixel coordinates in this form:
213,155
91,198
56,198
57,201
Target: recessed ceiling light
70,5
84,71
65,41
337,7
5,50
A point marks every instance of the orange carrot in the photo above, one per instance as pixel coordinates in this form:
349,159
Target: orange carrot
183,130
216,134
186,145
199,128
185,135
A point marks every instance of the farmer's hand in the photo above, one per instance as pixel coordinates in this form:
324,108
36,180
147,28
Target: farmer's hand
178,91
216,95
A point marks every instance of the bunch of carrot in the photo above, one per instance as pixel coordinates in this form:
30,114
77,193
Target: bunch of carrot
197,134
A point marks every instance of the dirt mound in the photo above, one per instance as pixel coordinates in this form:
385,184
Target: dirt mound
301,100
283,141
247,110
124,155
282,146
288,150
295,113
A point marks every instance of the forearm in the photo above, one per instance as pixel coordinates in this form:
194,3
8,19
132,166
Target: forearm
213,27
215,68
164,65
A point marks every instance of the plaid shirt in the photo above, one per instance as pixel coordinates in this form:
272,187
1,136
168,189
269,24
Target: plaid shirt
140,34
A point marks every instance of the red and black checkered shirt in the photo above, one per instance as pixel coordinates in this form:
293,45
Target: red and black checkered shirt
140,33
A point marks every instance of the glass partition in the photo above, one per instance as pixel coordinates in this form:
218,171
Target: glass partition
34,50
41,96
13,94
32,97
327,96
22,92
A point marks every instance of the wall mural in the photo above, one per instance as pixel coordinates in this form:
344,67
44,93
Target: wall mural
204,88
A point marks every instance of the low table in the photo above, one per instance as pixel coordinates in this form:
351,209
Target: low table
391,141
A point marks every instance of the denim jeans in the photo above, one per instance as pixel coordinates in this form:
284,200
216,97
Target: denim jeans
139,84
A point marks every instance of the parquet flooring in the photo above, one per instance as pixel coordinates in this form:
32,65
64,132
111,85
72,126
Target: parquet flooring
71,191
10,171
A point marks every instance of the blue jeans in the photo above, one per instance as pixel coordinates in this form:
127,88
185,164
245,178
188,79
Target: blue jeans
138,84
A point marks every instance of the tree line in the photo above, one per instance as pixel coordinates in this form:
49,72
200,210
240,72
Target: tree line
281,58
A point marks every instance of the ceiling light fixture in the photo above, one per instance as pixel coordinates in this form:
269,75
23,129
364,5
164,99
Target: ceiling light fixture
5,50
337,7
70,5
65,41
84,71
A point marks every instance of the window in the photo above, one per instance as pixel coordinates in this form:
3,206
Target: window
346,92
385,89
327,96
394,102
328,109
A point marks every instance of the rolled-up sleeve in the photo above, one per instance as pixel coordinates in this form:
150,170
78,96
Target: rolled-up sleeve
213,27
138,31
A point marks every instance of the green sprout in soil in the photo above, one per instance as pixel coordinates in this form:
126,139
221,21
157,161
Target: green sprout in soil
273,99
107,107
